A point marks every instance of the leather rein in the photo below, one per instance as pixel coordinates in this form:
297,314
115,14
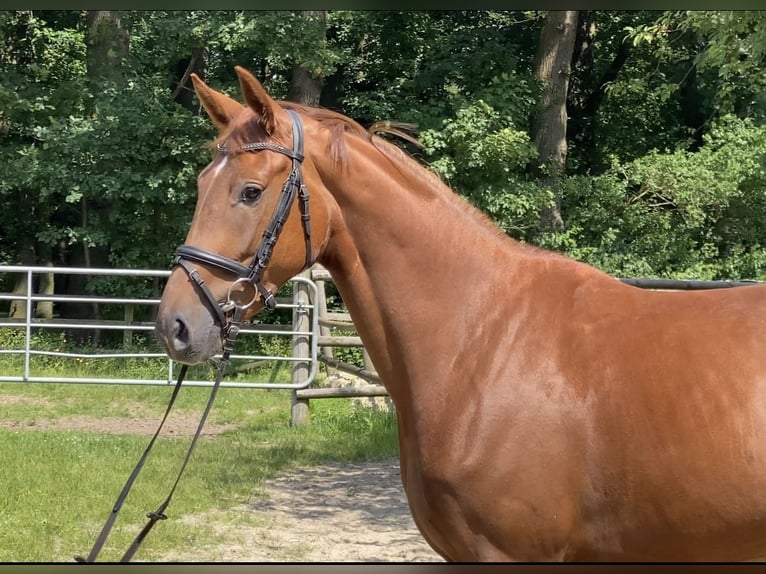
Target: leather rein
228,314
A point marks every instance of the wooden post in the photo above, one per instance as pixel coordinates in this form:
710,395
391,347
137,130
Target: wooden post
44,309
367,360
299,412
324,330
127,334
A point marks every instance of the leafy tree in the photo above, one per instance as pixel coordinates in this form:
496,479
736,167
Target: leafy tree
40,85
677,214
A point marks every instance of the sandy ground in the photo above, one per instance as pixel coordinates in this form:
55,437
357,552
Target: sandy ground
331,513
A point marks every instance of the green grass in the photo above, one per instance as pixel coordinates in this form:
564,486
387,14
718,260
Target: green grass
58,486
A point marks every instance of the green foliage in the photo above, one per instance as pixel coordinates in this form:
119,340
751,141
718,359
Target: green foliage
405,65
146,198
483,156
729,49
679,214
134,161
621,136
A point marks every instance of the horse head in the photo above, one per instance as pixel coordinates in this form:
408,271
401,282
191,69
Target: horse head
252,229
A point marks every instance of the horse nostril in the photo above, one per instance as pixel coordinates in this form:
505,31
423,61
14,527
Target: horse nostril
187,336
180,335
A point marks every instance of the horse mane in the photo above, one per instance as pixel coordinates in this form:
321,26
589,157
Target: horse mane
339,124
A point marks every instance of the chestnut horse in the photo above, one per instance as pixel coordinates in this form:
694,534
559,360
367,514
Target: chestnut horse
546,411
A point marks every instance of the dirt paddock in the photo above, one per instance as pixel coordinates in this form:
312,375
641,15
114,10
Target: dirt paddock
330,513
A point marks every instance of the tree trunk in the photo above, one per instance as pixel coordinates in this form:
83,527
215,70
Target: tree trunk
691,105
26,254
587,91
18,308
107,45
552,67
183,93
44,309
305,85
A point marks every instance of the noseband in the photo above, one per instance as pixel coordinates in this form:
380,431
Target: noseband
253,274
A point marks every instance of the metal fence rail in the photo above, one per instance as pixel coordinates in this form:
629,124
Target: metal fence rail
30,324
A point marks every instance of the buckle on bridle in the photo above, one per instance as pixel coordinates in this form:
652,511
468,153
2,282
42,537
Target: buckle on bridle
270,301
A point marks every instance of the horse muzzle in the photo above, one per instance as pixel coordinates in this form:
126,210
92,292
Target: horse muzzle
188,334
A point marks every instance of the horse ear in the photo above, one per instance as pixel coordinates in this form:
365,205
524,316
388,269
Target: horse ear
220,107
266,109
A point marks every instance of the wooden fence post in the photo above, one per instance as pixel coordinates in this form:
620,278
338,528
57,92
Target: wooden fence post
324,330
299,412
127,334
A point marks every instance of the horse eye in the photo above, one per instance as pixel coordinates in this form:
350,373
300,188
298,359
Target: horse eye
250,194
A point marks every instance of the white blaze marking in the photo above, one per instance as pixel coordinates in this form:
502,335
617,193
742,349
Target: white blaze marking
218,168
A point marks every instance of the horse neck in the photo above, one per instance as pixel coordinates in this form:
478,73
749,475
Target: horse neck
408,257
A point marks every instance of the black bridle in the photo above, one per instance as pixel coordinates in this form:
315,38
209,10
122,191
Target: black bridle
293,186
230,325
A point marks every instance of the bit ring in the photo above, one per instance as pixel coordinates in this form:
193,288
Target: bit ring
231,287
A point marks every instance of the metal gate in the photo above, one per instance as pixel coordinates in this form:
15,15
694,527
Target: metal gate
22,353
